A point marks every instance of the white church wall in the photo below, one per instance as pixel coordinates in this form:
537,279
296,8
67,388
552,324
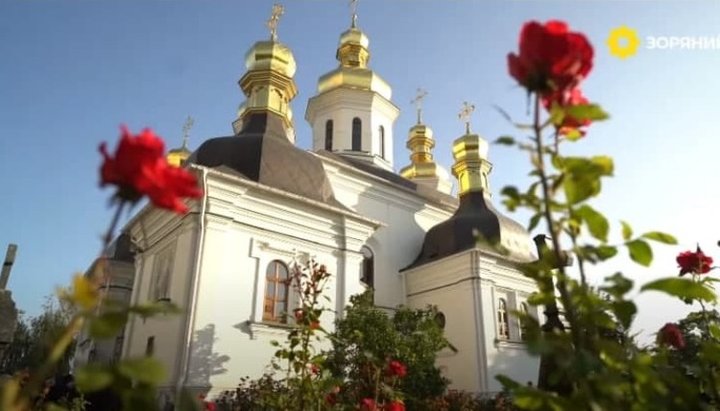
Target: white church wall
506,356
406,217
448,284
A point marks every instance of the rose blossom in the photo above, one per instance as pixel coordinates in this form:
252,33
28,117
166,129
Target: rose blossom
671,335
139,168
551,58
694,262
397,369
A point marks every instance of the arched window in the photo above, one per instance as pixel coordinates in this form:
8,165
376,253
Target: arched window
382,141
503,324
277,284
328,135
368,267
523,324
356,134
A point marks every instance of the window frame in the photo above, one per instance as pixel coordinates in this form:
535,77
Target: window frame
503,328
279,283
356,134
329,135
367,273
381,131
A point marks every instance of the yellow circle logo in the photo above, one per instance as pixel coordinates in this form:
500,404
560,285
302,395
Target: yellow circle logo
623,42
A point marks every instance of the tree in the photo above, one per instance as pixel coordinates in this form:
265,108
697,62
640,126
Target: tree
367,338
35,337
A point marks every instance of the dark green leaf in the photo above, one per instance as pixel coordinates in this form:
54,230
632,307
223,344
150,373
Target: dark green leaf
597,223
624,311
93,377
660,237
145,370
640,252
627,231
592,112
505,140
682,288
605,252
534,220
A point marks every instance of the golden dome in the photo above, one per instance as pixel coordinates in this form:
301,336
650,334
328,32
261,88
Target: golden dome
354,36
177,156
422,165
271,55
471,166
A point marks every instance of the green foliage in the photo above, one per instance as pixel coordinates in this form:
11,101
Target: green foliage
683,288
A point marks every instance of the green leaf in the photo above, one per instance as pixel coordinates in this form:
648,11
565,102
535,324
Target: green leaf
534,220
660,237
640,252
624,311
681,287
573,134
597,223
505,140
605,252
93,377
581,176
627,231
108,324
592,112
145,370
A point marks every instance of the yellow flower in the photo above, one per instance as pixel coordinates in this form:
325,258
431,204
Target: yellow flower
83,293
623,42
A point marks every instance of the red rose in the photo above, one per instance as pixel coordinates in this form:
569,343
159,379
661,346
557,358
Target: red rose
397,369
368,404
395,406
314,325
694,263
299,314
331,399
671,335
139,168
568,98
551,58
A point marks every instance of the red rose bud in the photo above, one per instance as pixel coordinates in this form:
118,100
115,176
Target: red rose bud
566,99
397,369
395,406
551,58
139,168
694,262
670,335
314,325
368,404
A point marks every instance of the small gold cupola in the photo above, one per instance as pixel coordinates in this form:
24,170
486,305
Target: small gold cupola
470,151
177,156
423,169
268,83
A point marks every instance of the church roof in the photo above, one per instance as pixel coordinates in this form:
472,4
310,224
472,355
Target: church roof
261,152
476,223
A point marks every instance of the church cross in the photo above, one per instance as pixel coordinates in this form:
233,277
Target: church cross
353,9
417,101
189,123
272,23
465,115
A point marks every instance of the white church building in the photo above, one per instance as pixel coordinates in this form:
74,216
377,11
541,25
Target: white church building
268,202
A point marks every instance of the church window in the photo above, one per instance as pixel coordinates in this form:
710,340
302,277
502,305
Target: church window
162,271
368,267
382,141
356,134
503,323
329,135
523,324
277,284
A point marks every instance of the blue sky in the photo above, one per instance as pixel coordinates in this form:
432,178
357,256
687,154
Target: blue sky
72,71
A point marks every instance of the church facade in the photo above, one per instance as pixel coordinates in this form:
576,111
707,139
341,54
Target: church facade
268,203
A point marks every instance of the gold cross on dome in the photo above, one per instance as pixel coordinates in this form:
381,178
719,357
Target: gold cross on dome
272,23
353,9
465,114
417,101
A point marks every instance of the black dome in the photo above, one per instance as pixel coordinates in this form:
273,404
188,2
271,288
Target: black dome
261,152
475,223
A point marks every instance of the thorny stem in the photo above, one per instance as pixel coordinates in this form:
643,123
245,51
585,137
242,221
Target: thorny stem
554,231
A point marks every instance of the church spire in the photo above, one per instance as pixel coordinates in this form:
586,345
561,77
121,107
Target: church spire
470,151
177,156
268,83
353,49
423,169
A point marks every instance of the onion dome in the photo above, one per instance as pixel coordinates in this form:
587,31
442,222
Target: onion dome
476,222
353,55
